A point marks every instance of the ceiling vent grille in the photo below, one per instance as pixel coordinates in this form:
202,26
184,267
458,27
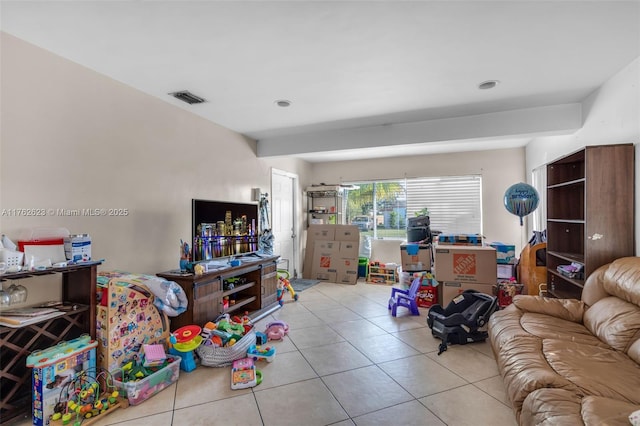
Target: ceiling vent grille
188,97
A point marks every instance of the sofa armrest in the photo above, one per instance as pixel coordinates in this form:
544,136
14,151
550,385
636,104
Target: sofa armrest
567,309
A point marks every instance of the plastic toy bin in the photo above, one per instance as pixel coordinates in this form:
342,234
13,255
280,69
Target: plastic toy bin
141,390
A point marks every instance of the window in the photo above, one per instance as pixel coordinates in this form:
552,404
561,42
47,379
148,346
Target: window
453,203
539,182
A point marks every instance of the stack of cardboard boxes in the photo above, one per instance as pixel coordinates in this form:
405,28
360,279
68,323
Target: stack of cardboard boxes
465,264
416,262
332,253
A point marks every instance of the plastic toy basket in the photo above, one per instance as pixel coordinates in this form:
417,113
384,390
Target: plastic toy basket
215,356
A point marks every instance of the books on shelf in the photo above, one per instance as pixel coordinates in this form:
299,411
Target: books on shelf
31,311
22,320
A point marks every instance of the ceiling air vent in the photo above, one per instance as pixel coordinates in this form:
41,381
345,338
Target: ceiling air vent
188,97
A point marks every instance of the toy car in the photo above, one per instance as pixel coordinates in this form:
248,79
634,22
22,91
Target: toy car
256,352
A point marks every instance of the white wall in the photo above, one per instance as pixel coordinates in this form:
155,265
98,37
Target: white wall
499,170
611,115
73,139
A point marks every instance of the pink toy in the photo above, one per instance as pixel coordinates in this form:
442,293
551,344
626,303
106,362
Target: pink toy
277,330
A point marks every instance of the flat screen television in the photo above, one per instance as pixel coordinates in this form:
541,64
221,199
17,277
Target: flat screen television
221,228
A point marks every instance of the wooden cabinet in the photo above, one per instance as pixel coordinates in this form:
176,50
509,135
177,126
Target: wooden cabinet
254,290
325,205
590,204
16,343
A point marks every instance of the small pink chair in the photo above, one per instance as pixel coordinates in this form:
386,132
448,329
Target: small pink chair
406,298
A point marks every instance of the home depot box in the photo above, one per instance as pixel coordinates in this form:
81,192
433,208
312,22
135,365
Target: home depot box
349,249
347,270
325,260
451,289
505,253
321,232
466,264
415,257
347,233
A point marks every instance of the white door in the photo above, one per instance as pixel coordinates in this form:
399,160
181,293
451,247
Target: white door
283,201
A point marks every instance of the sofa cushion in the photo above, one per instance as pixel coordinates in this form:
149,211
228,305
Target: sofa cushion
597,410
547,327
567,309
595,370
621,279
524,369
614,321
549,406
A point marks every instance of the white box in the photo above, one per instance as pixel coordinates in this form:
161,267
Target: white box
77,248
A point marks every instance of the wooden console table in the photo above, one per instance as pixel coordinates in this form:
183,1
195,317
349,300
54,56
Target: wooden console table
255,293
16,343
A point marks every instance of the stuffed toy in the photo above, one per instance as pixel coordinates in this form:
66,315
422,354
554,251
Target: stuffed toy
276,330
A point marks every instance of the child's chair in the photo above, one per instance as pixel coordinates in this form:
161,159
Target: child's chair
406,298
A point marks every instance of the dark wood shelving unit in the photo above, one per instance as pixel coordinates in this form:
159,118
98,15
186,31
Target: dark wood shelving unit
590,204
205,292
16,343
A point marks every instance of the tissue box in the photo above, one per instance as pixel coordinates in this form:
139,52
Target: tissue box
505,253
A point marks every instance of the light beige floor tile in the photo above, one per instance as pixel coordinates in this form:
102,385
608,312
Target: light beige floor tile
348,422
334,358
320,305
298,320
370,309
394,324
286,368
237,411
306,403
365,390
282,346
162,419
337,315
161,402
205,384
466,362
494,386
383,348
314,336
470,406
421,376
483,347
408,414
357,329
420,339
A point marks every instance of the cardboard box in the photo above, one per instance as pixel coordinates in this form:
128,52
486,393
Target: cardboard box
415,257
349,249
321,232
466,264
53,369
460,239
452,289
347,233
347,270
505,253
325,258
324,276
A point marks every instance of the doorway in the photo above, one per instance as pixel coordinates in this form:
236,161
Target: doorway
283,219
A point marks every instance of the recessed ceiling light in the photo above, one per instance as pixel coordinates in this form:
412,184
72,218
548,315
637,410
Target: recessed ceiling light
283,103
489,84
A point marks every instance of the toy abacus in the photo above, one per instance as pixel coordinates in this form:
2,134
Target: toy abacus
82,402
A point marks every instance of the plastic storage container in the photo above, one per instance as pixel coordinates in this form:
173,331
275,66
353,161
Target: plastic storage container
141,390
363,262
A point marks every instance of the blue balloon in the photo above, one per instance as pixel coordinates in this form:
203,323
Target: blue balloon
521,199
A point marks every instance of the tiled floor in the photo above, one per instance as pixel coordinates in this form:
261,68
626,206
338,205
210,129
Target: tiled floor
346,361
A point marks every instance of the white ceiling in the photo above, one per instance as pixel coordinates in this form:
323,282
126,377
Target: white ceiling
343,65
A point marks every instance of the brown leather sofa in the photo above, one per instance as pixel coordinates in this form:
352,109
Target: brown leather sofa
574,362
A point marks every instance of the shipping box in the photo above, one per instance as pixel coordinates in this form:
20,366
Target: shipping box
347,234
460,239
452,289
415,257
466,264
347,270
